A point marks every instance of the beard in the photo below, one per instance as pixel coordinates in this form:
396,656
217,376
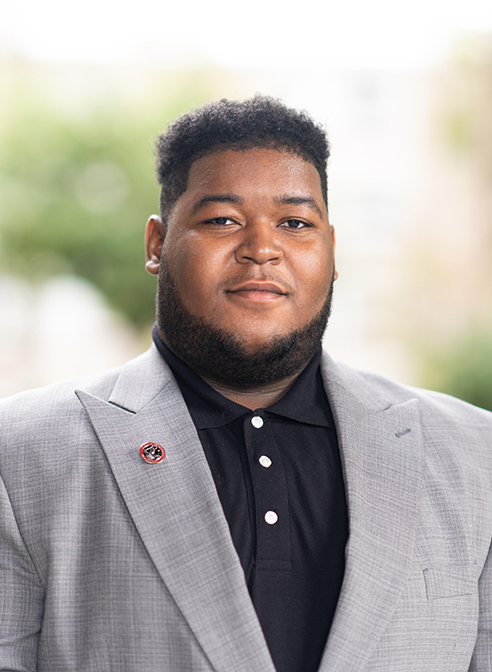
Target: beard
221,356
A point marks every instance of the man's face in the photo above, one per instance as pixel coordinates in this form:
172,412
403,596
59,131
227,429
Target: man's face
248,245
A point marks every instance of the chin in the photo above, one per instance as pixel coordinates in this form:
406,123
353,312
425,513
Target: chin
255,342
241,352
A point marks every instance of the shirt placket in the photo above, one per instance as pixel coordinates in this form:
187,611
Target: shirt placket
273,549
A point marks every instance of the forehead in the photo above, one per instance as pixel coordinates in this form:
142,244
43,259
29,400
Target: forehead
259,171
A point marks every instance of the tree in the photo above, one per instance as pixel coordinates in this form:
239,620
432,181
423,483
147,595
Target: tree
76,180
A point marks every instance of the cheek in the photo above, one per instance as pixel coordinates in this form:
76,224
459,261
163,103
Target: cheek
314,275
181,259
196,269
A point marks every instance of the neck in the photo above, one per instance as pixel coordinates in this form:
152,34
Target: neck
257,397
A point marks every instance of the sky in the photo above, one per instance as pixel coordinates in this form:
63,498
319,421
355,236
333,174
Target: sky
257,33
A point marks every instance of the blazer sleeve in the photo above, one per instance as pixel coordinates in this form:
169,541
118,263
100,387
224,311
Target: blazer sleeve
482,655
21,596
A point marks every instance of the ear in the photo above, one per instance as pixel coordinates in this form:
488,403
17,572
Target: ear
155,233
333,242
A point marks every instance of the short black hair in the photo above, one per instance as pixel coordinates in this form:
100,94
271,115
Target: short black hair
260,121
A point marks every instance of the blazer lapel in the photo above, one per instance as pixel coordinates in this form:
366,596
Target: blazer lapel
381,451
176,510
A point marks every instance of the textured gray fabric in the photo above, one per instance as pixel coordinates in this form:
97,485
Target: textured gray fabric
112,564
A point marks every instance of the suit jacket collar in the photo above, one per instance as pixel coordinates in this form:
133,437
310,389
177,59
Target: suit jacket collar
176,501
381,451
176,510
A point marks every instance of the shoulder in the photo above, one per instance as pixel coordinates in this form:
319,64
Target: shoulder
52,399
381,393
44,408
453,437
40,428
47,435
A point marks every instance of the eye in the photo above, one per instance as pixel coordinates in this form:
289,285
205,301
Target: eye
220,221
295,224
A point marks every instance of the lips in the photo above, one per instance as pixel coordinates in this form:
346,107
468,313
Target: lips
257,291
258,286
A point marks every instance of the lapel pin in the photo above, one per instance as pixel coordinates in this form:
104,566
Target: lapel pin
152,452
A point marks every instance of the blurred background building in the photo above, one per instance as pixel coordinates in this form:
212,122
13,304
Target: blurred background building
405,94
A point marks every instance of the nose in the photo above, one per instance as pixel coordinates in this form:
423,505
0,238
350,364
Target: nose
259,245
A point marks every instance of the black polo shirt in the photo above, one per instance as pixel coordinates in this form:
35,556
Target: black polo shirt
279,479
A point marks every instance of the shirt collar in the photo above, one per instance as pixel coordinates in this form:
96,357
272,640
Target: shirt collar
305,401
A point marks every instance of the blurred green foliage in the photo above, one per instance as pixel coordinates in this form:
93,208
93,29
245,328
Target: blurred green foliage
77,182
462,365
458,129
463,369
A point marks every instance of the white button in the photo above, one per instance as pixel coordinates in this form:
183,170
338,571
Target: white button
265,461
271,517
256,421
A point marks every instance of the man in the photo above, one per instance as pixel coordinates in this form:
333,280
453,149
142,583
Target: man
233,500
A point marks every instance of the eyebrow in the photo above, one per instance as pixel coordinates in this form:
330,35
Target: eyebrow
215,198
299,200
279,200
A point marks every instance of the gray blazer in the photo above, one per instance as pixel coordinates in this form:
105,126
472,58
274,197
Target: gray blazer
111,564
